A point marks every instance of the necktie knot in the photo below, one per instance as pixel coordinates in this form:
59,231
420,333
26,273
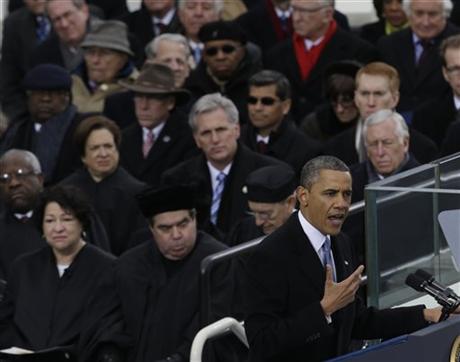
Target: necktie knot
220,177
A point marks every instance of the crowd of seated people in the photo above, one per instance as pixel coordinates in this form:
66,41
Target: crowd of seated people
134,144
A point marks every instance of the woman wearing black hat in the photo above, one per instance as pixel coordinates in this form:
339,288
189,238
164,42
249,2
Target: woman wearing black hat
339,112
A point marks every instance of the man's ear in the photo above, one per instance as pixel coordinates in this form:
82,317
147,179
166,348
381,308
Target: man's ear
303,195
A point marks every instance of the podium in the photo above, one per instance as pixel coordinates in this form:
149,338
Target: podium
55,354
433,343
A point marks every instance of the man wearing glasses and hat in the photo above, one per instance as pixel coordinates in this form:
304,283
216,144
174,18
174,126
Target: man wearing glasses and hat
227,64
161,138
271,200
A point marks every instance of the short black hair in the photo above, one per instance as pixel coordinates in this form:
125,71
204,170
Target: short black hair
69,198
271,77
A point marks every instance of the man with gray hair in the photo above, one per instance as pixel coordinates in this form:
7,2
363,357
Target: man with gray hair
220,172
171,50
414,52
386,138
193,14
317,41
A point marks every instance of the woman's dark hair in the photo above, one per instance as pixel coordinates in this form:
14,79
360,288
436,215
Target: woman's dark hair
339,85
91,124
69,198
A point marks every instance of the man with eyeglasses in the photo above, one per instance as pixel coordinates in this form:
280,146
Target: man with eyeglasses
271,200
414,52
377,87
70,20
271,131
317,41
48,128
436,119
228,63
161,137
21,182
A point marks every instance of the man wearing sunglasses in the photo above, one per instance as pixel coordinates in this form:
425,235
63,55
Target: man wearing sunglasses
227,64
270,130
317,41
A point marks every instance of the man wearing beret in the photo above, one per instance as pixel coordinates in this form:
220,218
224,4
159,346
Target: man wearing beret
271,200
158,282
227,64
48,129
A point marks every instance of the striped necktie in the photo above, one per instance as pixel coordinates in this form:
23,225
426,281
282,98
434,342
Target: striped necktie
217,196
148,143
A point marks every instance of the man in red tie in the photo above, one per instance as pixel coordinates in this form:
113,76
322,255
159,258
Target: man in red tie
316,42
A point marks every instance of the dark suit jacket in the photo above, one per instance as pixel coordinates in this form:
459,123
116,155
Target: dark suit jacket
233,203
19,42
20,134
434,117
174,145
285,283
451,143
372,32
308,94
417,87
140,25
287,144
343,147
48,52
263,33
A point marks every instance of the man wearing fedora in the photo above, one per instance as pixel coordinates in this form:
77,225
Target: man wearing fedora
161,137
107,60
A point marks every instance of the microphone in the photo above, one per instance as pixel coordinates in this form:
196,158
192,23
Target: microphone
448,303
432,281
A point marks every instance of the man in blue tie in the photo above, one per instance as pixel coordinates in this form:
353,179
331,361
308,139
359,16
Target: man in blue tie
301,292
219,173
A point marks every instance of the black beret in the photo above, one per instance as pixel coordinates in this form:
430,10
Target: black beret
271,184
47,77
344,67
156,200
222,30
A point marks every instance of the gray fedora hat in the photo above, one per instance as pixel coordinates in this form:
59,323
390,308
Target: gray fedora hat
110,34
156,79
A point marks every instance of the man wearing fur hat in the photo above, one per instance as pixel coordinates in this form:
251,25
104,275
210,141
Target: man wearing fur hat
107,59
157,282
161,137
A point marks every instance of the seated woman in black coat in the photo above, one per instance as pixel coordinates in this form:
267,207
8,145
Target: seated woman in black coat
49,288
339,112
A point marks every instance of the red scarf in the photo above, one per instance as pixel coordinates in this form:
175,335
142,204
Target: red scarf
307,59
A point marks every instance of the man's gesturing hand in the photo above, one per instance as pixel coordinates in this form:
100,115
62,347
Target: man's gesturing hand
338,295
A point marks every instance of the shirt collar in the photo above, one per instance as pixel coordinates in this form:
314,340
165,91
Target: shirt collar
156,131
214,172
165,19
457,102
315,236
283,13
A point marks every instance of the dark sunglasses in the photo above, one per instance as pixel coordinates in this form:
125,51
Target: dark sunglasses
266,101
226,49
